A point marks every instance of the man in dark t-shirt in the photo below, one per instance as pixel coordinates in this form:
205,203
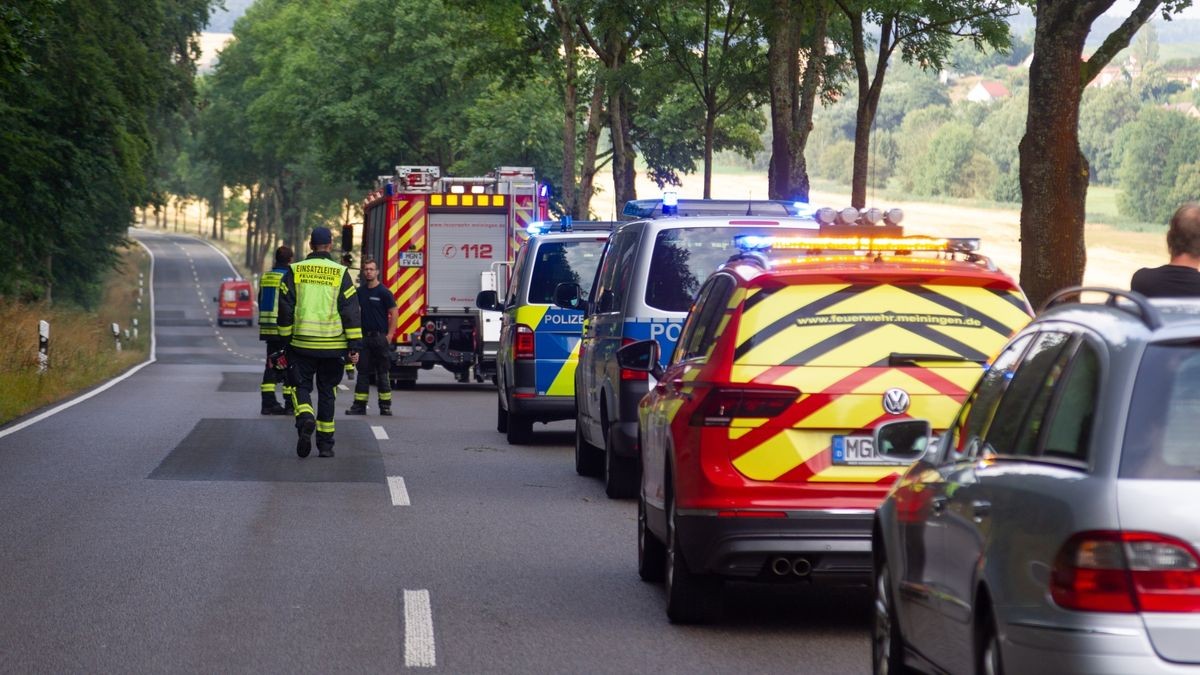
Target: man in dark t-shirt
378,325
1179,278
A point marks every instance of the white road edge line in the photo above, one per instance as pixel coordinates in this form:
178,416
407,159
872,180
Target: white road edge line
419,648
399,491
380,433
111,383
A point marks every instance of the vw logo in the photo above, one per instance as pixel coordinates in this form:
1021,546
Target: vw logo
895,401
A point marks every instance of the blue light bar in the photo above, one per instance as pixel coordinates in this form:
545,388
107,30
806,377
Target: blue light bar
753,242
670,204
536,227
716,208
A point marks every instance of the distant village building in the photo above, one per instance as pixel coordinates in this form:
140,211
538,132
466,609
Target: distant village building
1196,81
986,91
1107,75
1188,109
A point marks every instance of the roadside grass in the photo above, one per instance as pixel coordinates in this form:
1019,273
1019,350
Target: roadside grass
1102,208
82,349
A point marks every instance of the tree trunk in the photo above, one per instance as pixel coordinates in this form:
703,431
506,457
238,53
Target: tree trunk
782,54
566,29
869,89
805,105
622,164
591,140
710,131
1053,170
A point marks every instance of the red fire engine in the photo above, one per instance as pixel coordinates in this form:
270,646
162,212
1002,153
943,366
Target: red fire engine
439,240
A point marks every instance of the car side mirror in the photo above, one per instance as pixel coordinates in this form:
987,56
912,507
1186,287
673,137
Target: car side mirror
488,300
569,296
903,440
641,356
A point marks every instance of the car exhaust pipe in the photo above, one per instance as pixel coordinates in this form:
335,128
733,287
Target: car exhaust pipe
801,567
780,566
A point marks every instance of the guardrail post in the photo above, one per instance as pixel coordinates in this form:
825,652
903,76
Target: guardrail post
43,346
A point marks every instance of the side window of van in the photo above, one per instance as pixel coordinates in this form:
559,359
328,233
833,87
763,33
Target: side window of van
609,279
514,279
700,331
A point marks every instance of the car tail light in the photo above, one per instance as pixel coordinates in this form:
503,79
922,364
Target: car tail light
1108,571
632,375
523,344
724,403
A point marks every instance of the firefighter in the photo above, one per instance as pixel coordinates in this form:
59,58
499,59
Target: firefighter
268,331
379,314
319,316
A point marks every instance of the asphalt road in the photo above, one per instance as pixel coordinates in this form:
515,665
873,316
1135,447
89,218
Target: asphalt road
163,525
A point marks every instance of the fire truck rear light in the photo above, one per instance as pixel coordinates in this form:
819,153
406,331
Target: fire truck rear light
1111,571
723,404
523,342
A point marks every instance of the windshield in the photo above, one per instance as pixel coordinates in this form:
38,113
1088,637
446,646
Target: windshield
563,262
684,257
1164,417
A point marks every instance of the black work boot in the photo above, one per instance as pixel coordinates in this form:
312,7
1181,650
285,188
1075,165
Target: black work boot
325,449
357,408
385,410
274,409
305,426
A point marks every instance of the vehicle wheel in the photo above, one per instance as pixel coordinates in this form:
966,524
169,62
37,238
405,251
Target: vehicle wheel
501,417
887,652
691,598
588,460
620,473
989,652
652,554
519,430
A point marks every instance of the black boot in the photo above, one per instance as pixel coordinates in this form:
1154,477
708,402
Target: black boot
305,426
325,449
385,410
274,409
357,408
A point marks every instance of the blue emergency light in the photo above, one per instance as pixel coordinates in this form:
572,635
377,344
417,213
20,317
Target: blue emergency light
670,203
536,227
753,242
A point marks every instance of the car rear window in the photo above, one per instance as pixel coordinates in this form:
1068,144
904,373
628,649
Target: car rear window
684,257
563,262
859,323
1164,417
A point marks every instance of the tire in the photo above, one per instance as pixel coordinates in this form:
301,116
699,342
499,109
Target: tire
501,417
691,598
989,661
520,429
887,643
588,458
652,554
621,474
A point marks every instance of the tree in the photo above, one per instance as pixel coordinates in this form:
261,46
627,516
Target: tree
1054,172
1145,46
924,32
714,48
1103,114
1156,147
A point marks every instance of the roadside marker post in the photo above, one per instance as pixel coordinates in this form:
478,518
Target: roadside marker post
43,346
116,330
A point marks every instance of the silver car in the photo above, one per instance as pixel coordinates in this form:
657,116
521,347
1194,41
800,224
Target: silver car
1054,527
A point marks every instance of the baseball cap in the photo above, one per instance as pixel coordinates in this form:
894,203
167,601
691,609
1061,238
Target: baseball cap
321,236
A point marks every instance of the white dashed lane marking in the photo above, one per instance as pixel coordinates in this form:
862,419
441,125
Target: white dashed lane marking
343,387
380,433
419,648
399,491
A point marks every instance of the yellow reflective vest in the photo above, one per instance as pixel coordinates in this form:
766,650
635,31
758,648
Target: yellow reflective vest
268,303
318,308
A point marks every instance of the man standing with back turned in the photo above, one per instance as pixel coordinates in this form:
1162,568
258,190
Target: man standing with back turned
319,316
268,331
379,314
1179,278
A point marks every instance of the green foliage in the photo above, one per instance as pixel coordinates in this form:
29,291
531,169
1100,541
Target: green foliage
1156,145
1102,116
84,89
1187,184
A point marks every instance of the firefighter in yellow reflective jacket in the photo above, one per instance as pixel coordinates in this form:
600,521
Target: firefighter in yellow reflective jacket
268,331
320,318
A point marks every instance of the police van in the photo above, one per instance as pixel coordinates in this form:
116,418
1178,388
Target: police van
650,273
539,343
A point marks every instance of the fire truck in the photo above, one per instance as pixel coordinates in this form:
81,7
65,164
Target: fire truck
439,241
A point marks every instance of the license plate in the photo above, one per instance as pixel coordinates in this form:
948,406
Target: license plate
412,258
404,350
850,450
